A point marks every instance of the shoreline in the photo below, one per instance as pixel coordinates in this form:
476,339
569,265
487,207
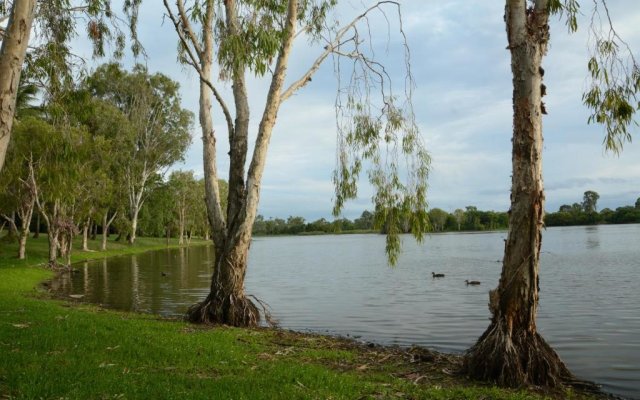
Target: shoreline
90,341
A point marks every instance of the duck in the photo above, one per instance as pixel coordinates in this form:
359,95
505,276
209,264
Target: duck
164,274
468,282
437,275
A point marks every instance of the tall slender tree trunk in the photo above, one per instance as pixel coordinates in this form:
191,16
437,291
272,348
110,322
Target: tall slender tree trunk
22,244
52,235
68,248
511,352
105,236
105,232
93,229
26,213
134,225
106,223
12,53
181,222
85,234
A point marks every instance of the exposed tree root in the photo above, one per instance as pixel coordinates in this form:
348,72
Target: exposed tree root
56,266
520,359
231,310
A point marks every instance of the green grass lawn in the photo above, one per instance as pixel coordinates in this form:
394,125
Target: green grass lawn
52,349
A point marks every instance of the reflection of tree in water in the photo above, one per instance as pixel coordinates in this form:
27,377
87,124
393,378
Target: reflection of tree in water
162,282
135,286
593,237
85,277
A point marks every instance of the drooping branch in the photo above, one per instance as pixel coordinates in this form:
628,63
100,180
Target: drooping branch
332,47
377,130
614,80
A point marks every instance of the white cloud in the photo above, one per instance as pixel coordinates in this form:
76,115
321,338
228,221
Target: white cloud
463,106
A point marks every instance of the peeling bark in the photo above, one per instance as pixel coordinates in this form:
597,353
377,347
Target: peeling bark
12,54
511,352
227,302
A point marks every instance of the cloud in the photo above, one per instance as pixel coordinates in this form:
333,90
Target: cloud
462,103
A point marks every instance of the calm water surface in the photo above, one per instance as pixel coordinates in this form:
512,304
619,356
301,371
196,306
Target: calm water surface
589,301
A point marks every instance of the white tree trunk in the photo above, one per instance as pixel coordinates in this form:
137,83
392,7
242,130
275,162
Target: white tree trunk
26,213
12,54
181,223
85,234
134,225
106,223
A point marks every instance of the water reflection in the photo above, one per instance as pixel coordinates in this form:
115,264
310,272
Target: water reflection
593,238
135,288
342,285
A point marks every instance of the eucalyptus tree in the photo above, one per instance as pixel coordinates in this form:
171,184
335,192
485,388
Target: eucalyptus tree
104,173
184,189
17,197
56,24
438,218
590,201
511,351
459,216
53,161
374,123
158,127
157,216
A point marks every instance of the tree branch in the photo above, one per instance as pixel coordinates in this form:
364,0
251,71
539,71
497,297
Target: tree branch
196,65
329,48
268,120
187,27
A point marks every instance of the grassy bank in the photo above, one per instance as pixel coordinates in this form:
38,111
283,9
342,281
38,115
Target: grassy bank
64,349
38,249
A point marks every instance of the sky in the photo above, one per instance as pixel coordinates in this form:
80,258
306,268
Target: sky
462,102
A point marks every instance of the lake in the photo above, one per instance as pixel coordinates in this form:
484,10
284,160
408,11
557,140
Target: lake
341,285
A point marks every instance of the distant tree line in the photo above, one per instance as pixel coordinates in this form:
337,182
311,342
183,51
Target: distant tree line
298,225
470,219
586,213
